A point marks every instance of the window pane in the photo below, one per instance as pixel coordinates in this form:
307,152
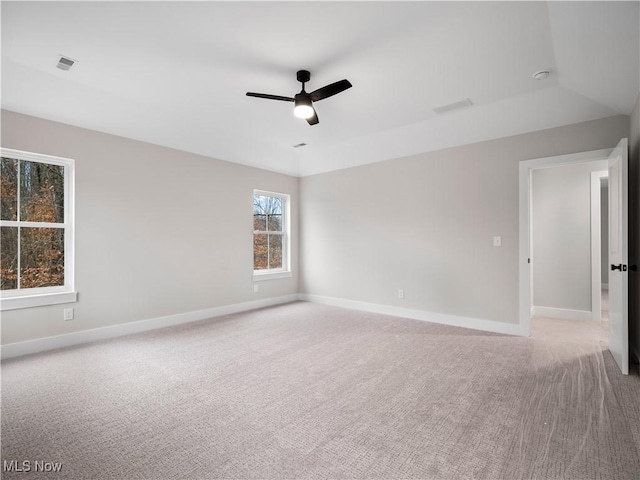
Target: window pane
260,252
9,189
8,258
274,206
41,192
267,205
275,223
260,222
275,251
259,204
41,257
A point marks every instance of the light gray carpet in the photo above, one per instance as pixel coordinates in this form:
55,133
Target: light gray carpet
316,392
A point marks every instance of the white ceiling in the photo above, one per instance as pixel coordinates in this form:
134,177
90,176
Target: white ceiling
176,74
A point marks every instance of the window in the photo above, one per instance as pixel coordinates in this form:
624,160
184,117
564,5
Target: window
270,235
36,230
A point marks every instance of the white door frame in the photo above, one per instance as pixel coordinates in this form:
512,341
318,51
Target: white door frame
526,167
596,245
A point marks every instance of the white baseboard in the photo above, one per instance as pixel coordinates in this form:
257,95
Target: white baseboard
453,320
49,343
562,313
605,286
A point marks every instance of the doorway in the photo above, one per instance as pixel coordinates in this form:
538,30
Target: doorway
577,307
566,241
617,163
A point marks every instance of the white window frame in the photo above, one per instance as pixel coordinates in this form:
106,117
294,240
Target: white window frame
35,297
285,271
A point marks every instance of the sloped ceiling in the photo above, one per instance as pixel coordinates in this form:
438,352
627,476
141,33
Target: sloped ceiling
176,73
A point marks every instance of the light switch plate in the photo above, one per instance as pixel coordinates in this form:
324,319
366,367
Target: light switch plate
497,241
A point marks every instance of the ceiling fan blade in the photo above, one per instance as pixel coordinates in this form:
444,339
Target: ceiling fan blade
314,119
269,97
330,90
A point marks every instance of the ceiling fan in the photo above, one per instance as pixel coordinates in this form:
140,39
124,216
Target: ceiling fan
304,101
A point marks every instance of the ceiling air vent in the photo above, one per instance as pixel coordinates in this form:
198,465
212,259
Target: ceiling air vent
453,106
65,63
299,145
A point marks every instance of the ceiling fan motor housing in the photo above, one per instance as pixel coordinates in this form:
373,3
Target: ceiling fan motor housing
302,98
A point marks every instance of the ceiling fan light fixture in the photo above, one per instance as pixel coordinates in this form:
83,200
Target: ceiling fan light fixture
303,108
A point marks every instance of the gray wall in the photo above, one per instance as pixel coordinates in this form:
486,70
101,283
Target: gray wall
634,227
158,231
561,235
425,224
604,235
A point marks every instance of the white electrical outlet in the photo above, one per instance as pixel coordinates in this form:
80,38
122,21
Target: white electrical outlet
256,288
497,241
400,293
68,314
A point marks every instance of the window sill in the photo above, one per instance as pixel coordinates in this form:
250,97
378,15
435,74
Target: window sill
28,301
259,277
